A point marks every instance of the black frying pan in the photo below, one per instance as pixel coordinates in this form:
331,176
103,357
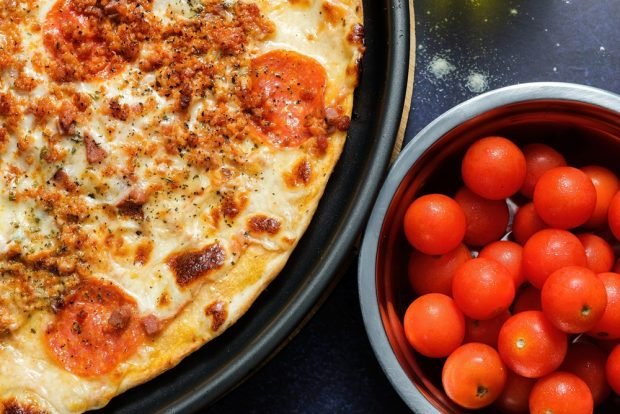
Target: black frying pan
217,367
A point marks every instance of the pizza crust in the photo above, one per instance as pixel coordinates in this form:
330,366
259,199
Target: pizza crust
29,375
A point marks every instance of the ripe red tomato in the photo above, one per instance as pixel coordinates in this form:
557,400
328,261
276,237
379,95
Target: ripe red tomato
550,250
482,288
564,197
515,399
486,331
587,361
434,224
599,253
561,392
613,215
530,345
539,158
509,254
612,369
608,327
528,298
433,274
574,299
434,325
473,376
606,185
493,168
486,219
526,222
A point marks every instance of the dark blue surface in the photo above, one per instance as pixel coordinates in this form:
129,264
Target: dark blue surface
464,47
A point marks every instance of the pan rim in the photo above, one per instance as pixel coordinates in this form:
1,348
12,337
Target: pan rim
292,312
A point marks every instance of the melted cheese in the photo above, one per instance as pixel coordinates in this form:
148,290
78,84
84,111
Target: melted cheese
184,198
299,28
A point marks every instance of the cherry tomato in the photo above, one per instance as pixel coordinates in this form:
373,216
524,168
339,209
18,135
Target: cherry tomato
539,158
527,299
550,250
587,361
599,253
616,268
515,399
574,299
433,274
434,325
564,197
482,288
473,376
486,219
606,185
613,215
608,327
434,224
561,392
493,168
612,369
509,254
526,222
530,345
486,331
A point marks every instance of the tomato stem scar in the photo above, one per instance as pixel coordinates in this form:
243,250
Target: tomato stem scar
520,343
585,310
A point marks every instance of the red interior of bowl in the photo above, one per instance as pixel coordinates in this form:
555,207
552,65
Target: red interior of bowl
585,134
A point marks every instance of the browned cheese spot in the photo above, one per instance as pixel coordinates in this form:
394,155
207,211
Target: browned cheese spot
143,253
299,175
229,208
263,224
163,299
218,312
13,406
191,265
232,205
215,216
333,13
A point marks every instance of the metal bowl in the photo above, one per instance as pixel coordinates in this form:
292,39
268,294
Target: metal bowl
581,122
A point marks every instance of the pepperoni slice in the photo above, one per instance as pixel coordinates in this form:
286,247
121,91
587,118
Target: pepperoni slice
287,97
91,40
95,331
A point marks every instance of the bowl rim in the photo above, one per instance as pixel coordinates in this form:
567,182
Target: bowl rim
450,119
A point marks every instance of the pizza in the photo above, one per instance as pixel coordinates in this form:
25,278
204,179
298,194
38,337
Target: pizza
159,162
